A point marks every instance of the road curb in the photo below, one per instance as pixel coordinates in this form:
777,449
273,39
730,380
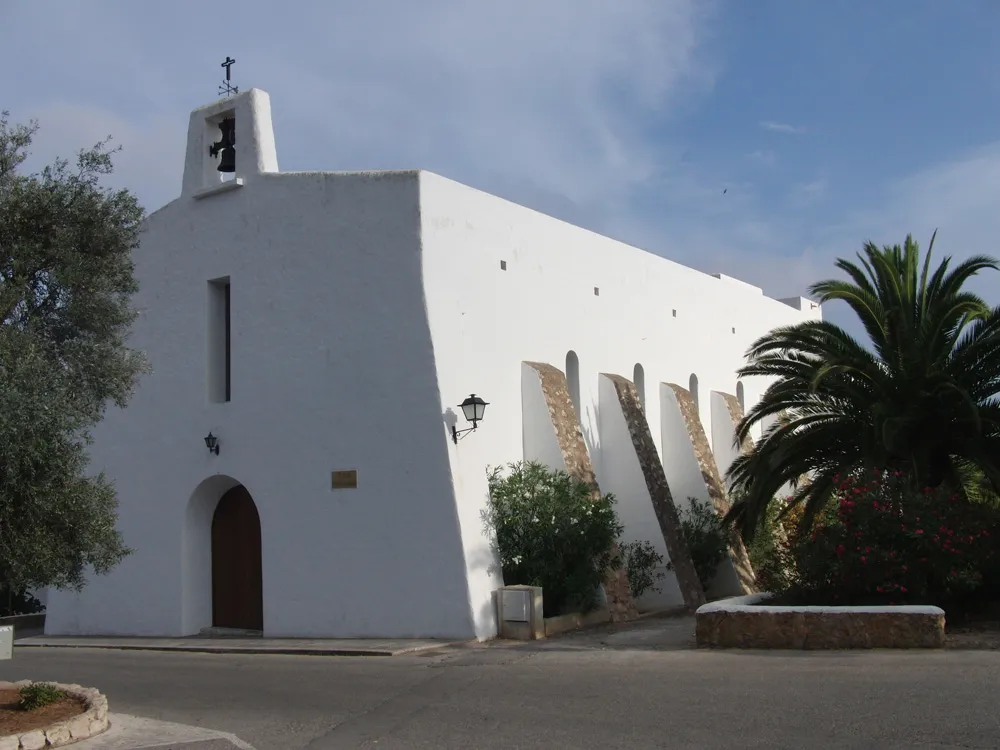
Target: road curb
209,649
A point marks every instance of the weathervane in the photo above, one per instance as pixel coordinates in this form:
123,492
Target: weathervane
226,88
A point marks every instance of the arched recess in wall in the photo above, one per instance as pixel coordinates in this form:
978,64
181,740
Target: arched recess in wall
740,397
693,387
639,378
573,380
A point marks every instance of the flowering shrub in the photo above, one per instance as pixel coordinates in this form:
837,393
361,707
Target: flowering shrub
881,542
551,531
641,560
702,529
770,558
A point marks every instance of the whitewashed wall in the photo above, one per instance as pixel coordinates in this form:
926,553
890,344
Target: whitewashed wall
365,308
485,319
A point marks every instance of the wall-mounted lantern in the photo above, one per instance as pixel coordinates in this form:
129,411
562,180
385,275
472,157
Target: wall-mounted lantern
473,408
213,443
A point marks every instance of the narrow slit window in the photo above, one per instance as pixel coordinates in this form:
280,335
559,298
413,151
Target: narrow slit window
219,341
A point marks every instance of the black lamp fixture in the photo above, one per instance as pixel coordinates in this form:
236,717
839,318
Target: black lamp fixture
213,443
473,408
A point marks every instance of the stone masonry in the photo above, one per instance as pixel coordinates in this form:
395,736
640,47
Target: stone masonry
574,452
736,415
713,482
820,629
659,491
91,722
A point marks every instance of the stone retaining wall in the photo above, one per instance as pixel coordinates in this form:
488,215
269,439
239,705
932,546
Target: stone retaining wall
749,622
92,721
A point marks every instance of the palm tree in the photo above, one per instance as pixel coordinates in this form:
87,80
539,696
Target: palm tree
921,399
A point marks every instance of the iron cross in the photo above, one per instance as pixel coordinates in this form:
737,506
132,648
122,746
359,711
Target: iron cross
226,88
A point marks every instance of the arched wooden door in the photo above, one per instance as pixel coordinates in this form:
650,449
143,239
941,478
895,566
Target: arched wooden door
237,575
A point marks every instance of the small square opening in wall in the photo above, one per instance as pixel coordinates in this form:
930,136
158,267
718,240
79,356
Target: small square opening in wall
344,479
503,265
597,291
734,330
673,313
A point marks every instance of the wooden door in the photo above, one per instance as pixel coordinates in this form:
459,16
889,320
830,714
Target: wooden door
237,575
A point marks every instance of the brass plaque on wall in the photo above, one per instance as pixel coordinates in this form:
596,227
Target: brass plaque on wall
345,480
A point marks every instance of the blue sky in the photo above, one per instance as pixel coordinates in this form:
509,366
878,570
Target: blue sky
827,123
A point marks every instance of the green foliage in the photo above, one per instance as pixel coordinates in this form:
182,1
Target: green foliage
551,531
39,695
883,541
770,559
66,283
17,602
641,560
920,399
706,540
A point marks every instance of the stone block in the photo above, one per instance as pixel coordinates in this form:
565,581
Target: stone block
10,742
33,740
58,734
79,727
98,724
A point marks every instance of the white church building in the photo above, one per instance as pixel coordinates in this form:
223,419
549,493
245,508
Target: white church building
323,328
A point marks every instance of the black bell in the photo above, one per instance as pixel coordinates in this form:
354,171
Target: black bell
226,146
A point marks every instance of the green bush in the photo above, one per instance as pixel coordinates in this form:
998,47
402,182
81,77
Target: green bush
880,541
38,695
551,531
18,602
640,560
706,540
770,559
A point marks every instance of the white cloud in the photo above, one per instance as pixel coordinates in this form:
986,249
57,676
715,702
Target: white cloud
762,157
781,127
147,163
956,197
806,193
537,101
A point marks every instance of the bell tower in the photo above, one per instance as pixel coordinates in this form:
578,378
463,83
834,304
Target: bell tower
229,143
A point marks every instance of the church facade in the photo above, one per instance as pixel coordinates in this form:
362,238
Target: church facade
291,467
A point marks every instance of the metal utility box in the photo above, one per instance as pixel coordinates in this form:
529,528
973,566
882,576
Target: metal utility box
6,641
519,613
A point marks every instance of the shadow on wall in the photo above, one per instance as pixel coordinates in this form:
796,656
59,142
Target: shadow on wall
450,419
639,381
591,437
485,560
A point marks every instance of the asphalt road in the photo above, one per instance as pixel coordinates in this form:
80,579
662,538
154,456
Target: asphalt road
640,688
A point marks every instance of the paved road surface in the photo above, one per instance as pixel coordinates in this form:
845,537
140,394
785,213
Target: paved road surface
637,688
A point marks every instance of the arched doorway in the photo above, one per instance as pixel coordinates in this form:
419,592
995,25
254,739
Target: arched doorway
237,574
